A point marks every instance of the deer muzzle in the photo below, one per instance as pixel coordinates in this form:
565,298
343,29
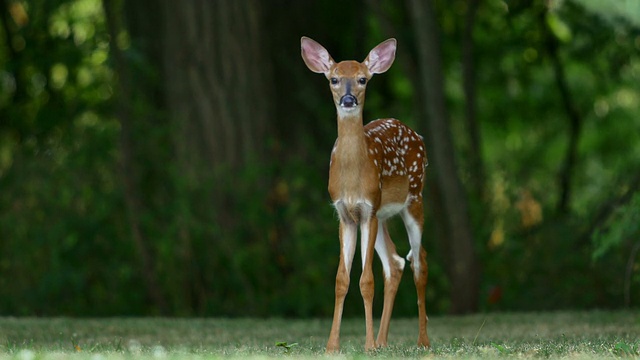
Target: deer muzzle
348,101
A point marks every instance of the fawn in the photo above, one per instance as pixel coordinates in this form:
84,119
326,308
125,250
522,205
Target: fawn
376,171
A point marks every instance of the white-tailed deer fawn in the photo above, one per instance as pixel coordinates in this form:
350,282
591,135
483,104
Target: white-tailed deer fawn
376,171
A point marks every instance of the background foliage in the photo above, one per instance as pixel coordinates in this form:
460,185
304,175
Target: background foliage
173,161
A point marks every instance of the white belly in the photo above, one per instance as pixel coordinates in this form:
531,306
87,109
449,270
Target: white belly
390,210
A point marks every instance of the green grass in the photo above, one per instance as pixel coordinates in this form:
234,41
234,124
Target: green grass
594,334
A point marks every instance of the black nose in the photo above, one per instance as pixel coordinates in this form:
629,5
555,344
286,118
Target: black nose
348,101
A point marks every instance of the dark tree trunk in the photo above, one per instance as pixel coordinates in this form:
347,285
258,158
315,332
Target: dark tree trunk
216,76
208,75
469,86
463,269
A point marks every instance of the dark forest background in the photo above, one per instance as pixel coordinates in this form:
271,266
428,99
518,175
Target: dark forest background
163,157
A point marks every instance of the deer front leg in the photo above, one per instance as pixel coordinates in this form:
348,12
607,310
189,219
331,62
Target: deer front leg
347,248
369,231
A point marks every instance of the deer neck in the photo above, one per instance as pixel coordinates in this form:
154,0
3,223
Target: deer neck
350,160
351,143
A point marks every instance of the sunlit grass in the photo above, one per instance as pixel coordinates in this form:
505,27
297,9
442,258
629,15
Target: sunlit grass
545,335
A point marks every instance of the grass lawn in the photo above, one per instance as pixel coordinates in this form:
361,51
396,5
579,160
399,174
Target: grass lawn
594,334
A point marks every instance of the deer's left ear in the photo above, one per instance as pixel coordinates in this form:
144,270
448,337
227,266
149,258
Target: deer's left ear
381,57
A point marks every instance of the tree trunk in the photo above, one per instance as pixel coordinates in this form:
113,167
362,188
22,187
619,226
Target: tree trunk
203,78
464,269
217,76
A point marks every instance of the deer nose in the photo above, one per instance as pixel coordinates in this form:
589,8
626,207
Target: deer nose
348,101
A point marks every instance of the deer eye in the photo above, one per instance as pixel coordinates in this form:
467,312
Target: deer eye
362,81
333,81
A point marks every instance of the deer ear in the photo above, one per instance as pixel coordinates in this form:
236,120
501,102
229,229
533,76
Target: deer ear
381,57
315,56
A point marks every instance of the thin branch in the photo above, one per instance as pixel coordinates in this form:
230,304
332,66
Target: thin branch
574,116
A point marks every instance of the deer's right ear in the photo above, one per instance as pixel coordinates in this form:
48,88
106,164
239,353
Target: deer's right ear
315,56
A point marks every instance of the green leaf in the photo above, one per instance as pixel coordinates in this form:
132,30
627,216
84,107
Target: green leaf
559,28
285,345
623,348
500,348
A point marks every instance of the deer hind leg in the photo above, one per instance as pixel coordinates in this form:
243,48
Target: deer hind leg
413,218
348,232
392,266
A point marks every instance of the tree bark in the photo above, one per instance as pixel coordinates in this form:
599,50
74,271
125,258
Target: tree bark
216,77
464,268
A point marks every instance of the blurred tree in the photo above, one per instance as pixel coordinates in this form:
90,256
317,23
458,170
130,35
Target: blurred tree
129,167
474,149
463,268
211,83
